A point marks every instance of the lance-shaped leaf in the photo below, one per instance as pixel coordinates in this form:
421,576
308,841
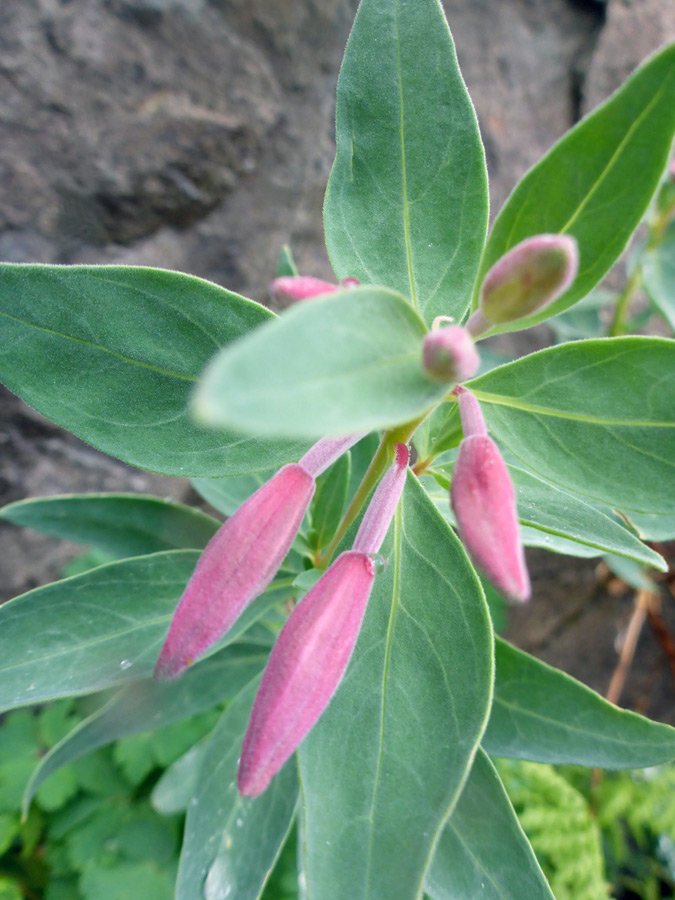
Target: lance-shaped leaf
406,204
558,520
121,524
113,353
483,851
348,362
383,768
580,186
148,704
231,842
542,714
597,417
100,629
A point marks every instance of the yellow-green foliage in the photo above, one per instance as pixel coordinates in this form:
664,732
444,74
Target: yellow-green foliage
563,834
643,802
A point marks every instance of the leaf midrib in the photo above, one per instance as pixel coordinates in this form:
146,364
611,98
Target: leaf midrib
501,400
100,348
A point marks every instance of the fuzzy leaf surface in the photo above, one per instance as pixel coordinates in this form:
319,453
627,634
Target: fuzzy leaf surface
385,764
113,354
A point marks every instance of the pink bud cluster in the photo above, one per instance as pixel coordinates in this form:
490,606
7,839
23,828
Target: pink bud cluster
484,503
314,647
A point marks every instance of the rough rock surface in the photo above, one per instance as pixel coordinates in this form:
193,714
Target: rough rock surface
198,135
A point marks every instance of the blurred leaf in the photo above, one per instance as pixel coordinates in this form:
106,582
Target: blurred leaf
346,362
658,274
150,704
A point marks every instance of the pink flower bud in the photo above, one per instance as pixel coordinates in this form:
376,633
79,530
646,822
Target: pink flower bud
531,275
243,556
484,504
293,288
449,354
315,645
305,668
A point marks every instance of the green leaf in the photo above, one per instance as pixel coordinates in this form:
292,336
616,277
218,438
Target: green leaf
653,528
589,318
286,264
114,353
329,501
483,851
385,764
120,524
148,705
99,629
171,794
347,362
595,183
557,520
561,827
406,204
596,417
658,275
227,494
231,842
542,714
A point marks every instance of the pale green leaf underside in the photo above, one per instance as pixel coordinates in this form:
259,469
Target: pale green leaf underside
658,272
343,363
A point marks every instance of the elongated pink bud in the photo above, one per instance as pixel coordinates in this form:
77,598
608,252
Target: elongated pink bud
305,668
378,516
292,289
313,650
484,504
243,556
529,277
449,354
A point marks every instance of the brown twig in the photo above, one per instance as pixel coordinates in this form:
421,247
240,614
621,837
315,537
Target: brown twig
644,601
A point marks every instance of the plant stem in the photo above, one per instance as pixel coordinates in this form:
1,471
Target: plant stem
383,455
624,301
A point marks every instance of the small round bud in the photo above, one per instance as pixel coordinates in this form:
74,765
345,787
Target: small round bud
531,275
449,354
